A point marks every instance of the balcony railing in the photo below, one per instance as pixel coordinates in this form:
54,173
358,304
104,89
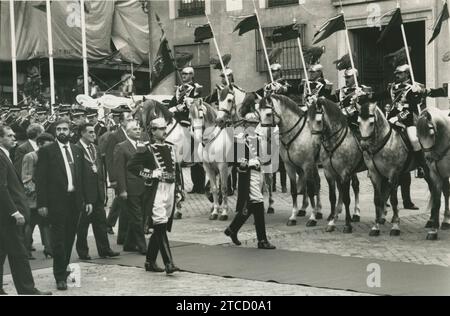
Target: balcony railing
277,3
191,8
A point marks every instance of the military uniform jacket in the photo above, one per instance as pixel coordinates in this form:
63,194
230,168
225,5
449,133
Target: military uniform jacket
251,146
152,157
319,88
344,97
190,90
286,89
213,98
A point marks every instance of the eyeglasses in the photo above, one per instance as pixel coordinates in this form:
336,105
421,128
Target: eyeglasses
158,128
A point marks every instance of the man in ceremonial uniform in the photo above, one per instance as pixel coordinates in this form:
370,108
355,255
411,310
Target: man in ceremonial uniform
320,87
347,96
188,89
407,99
250,199
213,98
157,165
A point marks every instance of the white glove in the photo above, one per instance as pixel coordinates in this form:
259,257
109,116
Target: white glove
157,173
416,88
254,163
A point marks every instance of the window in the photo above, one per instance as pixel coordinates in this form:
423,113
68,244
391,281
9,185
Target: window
289,58
200,63
191,8
277,3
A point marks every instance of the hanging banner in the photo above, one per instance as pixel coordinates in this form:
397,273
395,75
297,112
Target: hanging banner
31,29
130,33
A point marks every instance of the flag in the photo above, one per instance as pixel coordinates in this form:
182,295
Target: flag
285,33
443,16
202,33
163,64
247,24
396,21
330,27
42,5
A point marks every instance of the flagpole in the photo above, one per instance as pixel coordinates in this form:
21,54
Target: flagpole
13,50
263,42
50,55
448,25
84,48
350,53
150,54
218,51
303,61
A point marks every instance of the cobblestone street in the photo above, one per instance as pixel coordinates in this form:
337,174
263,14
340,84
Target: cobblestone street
410,247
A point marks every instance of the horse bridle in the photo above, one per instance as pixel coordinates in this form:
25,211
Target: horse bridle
433,132
273,114
372,119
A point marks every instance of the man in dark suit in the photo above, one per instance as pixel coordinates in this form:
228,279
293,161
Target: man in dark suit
94,179
61,194
115,138
13,214
33,131
131,188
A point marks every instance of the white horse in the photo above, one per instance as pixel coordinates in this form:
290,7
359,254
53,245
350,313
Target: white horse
216,143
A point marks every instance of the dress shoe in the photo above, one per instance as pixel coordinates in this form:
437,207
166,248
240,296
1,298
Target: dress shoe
110,231
411,206
110,254
48,254
36,292
171,268
85,257
61,286
2,292
265,245
233,236
153,267
130,249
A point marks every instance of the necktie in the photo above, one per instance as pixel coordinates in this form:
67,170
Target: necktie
92,153
70,161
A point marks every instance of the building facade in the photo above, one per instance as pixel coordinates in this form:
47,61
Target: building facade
180,17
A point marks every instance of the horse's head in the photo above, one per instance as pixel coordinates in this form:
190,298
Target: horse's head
227,105
202,115
367,123
268,113
427,133
315,116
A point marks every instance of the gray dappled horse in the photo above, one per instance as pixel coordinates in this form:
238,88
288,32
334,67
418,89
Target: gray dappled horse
387,156
299,150
340,155
433,131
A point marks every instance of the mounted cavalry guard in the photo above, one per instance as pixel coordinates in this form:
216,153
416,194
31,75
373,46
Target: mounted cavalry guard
156,163
347,96
407,99
320,87
213,98
188,89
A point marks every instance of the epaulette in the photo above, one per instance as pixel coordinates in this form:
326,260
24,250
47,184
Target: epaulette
328,84
198,85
